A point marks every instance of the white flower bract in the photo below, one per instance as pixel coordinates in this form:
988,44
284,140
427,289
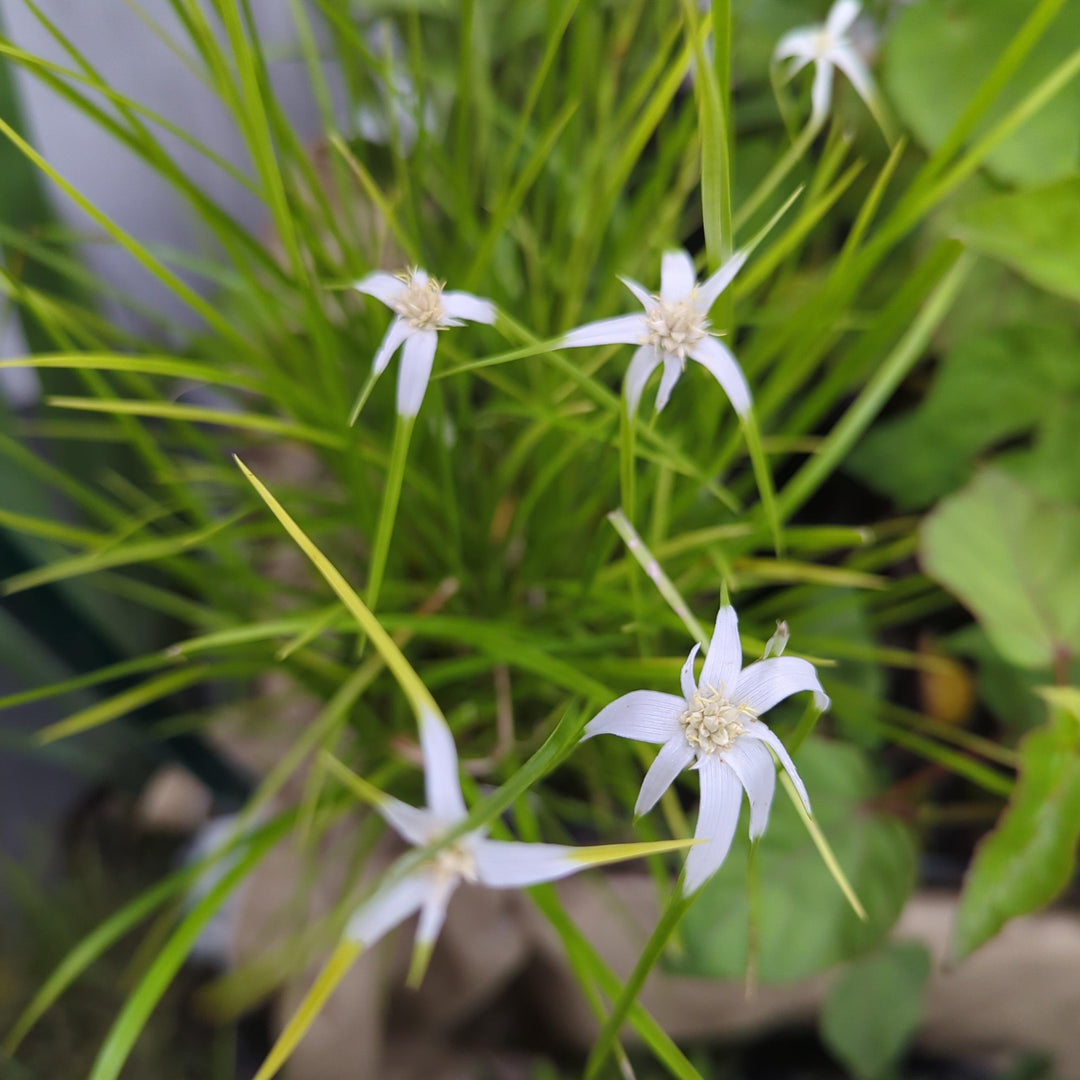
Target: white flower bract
828,46
471,857
674,327
423,307
714,727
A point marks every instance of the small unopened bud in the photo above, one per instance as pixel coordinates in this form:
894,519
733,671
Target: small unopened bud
776,645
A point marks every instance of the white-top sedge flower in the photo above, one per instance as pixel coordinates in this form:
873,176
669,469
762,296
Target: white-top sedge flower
828,46
675,326
714,726
423,308
472,857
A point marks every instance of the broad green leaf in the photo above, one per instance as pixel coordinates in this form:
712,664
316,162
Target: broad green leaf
874,1008
1034,231
938,52
989,387
806,924
1011,558
1031,854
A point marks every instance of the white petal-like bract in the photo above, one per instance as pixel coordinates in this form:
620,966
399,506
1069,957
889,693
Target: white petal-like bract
463,305
415,371
672,370
643,363
510,865
718,816
388,907
717,358
645,715
677,276
711,288
754,766
395,334
675,755
796,44
851,64
765,684
757,730
821,92
686,677
442,786
383,286
723,661
647,300
841,17
622,330
409,822
433,912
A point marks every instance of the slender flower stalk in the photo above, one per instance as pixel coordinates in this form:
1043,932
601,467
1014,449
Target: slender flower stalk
423,307
829,46
713,726
673,328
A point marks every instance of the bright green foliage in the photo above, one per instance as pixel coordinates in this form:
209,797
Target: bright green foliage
1031,855
568,146
874,1008
805,924
1033,230
938,52
1011,558
988,388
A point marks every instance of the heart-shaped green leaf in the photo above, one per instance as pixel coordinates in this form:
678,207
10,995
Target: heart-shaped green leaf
874,1008
1011,557
1031,854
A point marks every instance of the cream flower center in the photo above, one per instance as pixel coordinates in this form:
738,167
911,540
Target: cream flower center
823,44
711,722
456,861
420,305
675,327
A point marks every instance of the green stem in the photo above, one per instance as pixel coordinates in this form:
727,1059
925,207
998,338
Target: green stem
628,474
753,918
388,514
361,398
764,480
628,485
673,914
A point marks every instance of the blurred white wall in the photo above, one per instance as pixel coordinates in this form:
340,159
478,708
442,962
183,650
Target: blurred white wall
137,63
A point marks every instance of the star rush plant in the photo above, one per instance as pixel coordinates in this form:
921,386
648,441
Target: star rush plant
471,857
714,725
575,150
675,327
422,308
829,47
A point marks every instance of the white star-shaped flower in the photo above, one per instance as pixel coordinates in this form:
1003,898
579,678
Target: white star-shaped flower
714,725
675,326
423,308
472,857
828,46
